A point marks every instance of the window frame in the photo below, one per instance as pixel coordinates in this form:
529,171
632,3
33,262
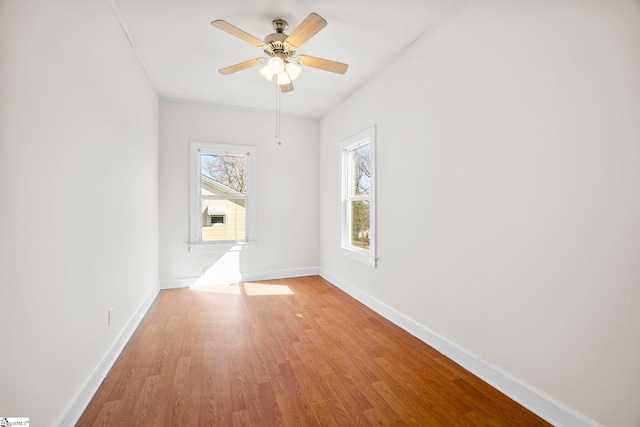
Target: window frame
365,256
196,243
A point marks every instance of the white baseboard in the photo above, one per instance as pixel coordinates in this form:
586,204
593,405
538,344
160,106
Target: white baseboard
187,282
180,282
536,401
81,400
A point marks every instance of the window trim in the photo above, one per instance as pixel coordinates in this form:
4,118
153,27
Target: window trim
195,216
368,257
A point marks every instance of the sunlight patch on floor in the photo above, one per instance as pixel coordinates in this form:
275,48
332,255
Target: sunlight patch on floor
248,288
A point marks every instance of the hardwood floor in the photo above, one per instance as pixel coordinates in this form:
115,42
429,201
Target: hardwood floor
286,352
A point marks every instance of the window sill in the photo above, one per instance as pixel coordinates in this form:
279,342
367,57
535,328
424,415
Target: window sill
359,256
221,246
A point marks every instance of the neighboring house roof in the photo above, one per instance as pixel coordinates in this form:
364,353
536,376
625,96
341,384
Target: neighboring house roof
218,188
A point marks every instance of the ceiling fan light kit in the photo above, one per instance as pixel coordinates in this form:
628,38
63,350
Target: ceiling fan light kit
283,78
283,60
266,72
293,70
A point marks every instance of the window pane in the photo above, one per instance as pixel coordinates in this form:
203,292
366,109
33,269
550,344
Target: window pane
223,174
360,224
360,175
223,220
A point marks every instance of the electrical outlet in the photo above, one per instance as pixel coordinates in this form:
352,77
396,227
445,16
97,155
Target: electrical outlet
109,316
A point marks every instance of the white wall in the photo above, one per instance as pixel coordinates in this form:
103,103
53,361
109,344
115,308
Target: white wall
508,202
78,198
287,192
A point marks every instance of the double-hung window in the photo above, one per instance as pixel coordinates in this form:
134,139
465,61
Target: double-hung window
222,196
358,197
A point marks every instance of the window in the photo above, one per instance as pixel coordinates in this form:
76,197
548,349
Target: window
222,196
215,214
217,219
358,197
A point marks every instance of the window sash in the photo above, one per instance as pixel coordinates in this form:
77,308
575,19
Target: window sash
223,198
350,153
354,198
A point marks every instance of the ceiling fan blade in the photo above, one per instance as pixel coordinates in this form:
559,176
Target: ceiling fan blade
241,66
286,88
307,29
323,64
235,31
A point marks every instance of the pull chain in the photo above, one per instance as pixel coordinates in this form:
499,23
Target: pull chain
278,115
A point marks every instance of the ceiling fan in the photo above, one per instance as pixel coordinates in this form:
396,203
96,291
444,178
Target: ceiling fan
283,60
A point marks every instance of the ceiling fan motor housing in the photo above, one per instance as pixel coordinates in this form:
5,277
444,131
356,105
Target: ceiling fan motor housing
275,45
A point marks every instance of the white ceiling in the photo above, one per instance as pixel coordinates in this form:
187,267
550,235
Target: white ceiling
181,52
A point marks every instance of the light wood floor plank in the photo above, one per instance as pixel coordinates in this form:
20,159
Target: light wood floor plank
291,352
